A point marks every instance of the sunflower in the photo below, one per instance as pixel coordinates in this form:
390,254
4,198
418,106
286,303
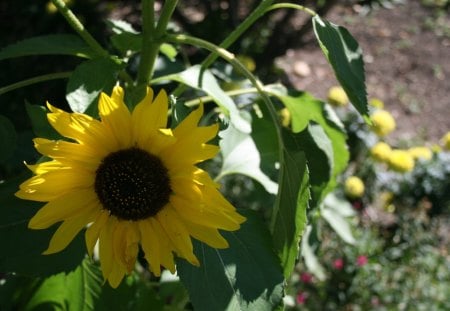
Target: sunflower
132,182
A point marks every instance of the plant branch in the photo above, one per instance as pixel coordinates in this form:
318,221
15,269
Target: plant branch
34,80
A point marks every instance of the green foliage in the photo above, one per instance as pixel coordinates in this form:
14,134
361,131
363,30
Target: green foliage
62,44
299,163
246,276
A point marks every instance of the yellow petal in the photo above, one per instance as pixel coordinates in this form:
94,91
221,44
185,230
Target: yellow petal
150,245
65,150
64,207
148,117
116,116
93,231
177,234
189,123
198,213
51,185
106,246
69,229
45,167
166,247
116,275
210,236
158,141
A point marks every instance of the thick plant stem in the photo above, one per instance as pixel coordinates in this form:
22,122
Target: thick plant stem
79,28
152,37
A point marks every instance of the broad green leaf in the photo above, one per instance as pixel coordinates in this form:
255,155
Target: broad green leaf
83,289
304,108
88,80
345,56
289,215
245,276
39,122
310,258
8,138
127,41
59,44
21,248
336,213
240,156
319,154
209,85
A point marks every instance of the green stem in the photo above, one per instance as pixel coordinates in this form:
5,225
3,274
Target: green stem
229,57
149,52
152,37
79,28
257,13
38,79
290,6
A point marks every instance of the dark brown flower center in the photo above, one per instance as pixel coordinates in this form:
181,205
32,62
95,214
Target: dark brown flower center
132,184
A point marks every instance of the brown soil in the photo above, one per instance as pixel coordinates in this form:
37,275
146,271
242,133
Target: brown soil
407,62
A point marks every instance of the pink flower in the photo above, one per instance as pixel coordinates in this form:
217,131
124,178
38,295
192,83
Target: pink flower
338,264
301,298
361,260
306,277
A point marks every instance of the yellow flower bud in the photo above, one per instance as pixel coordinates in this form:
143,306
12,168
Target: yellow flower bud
421,153
446,141
285,116
401,161
381,151
354,187
247,61
337,96
377,103
382,122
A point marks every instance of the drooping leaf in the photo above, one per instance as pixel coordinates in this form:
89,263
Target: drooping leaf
337,213
39,122
319,154
311,261
304,108
240,156
346,58
8,138
88,80
57,44
245,276
289,215
209,85
22,248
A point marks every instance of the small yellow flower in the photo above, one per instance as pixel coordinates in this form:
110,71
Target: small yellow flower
337,96
133,182
381,151
52,9
377,103
421,153
354,187
247,61
285,116
436,148
446,141
401,161
382,122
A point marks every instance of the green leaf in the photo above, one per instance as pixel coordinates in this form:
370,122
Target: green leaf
39,122
289,216
209,85
8,138
83,289
240,156
245,276
319,154
304,108
60,44
345,56
127,41
87,82
337,212
311,260
21,248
